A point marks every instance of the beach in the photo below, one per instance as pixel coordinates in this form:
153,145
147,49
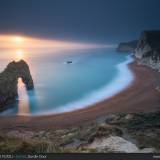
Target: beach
140,96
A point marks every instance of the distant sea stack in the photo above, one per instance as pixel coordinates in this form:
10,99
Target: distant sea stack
127,46
148,49
9,82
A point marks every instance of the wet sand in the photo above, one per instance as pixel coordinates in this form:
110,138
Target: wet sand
140,96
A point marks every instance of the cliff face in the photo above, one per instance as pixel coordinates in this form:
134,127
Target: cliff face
127,46
148,49
9,81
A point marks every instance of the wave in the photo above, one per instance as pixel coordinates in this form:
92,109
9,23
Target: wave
124,78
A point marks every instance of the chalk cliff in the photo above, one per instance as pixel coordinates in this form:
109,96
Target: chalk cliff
148,49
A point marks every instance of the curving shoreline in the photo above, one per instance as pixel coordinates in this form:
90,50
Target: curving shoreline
125,77
140,96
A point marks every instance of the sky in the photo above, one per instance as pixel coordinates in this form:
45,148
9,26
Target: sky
100,21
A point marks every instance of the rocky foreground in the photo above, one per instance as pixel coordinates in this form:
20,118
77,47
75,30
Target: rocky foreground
9,82
124,133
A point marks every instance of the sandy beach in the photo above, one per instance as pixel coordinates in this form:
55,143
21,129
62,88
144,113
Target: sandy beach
140,96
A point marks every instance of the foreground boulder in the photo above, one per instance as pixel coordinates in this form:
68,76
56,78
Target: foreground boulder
9,81
114,144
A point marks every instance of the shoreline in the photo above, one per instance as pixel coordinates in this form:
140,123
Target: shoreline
140,96
102,94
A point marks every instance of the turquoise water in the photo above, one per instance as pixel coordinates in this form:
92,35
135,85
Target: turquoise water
60,87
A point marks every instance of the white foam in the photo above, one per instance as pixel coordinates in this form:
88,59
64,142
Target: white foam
124,78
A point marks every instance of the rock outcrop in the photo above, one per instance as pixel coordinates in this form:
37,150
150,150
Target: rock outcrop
9,81
114,144
127,46
148,49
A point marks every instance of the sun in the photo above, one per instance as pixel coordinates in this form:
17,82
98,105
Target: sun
18,39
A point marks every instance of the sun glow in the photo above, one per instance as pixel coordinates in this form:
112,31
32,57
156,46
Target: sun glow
18,39
15,41
19,54
16,45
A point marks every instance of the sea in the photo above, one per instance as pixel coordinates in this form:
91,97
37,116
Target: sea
69,80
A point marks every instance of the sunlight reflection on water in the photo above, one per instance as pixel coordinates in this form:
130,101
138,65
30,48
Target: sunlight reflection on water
23,99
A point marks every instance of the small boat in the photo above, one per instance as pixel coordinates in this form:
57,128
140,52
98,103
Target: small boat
69,62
